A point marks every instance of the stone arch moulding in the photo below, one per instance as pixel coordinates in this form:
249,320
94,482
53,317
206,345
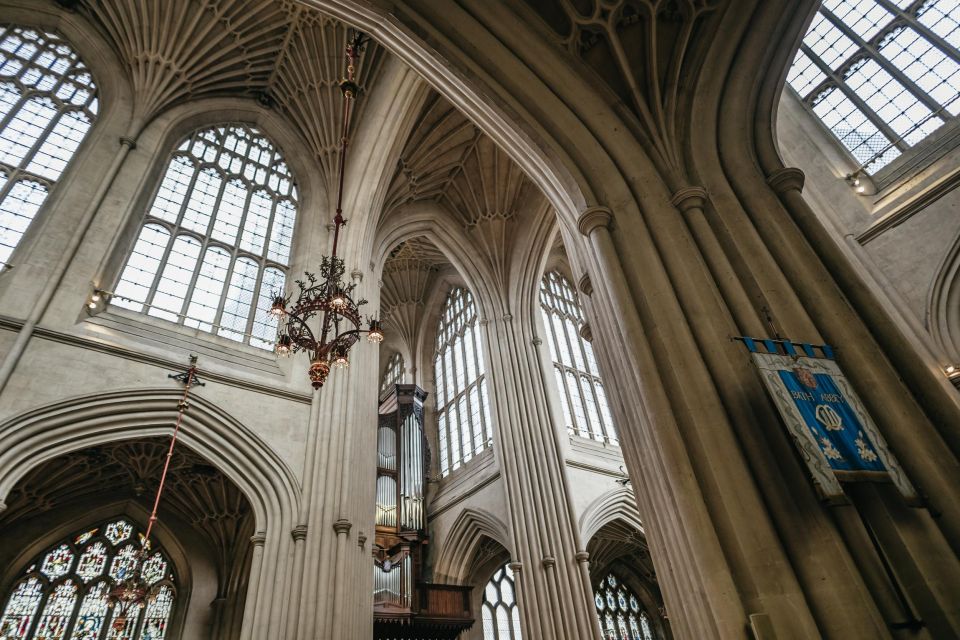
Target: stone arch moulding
554,178
431,221
458,552
943,304
272,490
618,504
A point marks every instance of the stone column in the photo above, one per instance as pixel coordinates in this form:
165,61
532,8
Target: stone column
697,581
556,602
255,599
827,573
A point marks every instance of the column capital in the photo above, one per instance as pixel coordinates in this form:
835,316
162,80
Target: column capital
786,179
582,557
593,218
586,332
259,538
129,142
585,285
689,198
342,526
299,532
361,539
516,567
548,562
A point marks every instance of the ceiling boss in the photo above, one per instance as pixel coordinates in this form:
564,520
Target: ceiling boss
328,298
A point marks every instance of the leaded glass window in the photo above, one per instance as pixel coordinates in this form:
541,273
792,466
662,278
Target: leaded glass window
582,398
463,413
620,613
63,594
394,373
500,611
48,102
215,243
881,74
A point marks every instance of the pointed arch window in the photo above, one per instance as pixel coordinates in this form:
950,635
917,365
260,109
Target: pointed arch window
881,74
582,398
621,614
394,373
500,611
463,413
215,243
48,102
64,592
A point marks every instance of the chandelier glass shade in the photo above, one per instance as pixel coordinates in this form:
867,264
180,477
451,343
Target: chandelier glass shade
325,321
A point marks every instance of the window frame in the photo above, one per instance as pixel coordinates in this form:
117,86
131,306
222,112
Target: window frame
139,216
393,372
506,574
29,565
586,379
93,109
914,157
472,396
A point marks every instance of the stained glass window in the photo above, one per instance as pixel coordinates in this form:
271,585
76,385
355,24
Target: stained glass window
47,104
63,593
881,75
461,391
394,373
500,611
620,613
215,243
582,398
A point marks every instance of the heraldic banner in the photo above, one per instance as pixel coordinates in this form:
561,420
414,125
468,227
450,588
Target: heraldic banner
825,418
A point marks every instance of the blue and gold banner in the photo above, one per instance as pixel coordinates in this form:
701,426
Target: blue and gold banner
826,420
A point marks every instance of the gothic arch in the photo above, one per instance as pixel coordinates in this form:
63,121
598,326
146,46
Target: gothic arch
458,556
618,504
943,304
271,488
172,546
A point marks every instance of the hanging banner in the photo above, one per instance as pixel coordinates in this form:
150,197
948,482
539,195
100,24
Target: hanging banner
825,418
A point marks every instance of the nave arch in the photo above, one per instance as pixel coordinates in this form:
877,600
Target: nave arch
273,493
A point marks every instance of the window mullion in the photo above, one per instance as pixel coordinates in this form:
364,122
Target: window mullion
252,312
158,276
881,59
197,170
40,139
892,136
909,18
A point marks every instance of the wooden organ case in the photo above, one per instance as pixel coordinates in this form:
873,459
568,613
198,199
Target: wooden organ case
405,605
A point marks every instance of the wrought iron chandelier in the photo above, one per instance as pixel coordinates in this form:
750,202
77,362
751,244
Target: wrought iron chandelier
329,296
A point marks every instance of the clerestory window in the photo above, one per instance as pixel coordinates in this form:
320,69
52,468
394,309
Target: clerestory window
881,74
214,246
64,592
463,414
48,102
582,398
394,373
